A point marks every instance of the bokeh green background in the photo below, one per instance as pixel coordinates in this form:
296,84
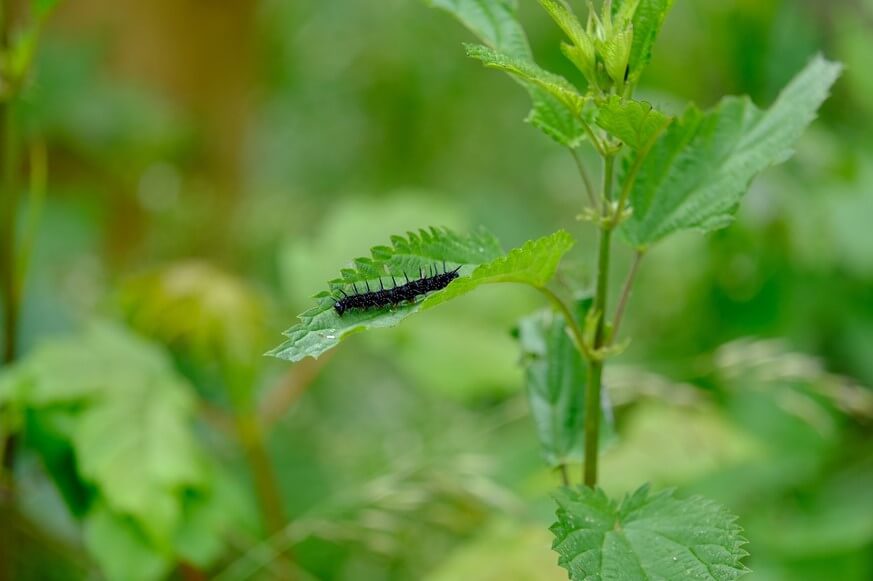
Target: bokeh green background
211,165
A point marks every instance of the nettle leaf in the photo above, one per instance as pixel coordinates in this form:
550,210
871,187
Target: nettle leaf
534,263
556,378
127,415
646,536
647,21
495,24
556,85
492,21
480,260
321,328
700,168
636,123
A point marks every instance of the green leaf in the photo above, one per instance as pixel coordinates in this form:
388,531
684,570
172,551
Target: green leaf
140,452
702,165
556,377
647,21
495,24
566,20
492,21
534,263
646,536
321,328
636,123
556,85
128,419
121,550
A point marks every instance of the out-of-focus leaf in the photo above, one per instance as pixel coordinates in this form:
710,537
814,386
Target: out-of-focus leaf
634,122
128,422
199,308
646,536
139,450
533,263
494,23
121,550
556,375
321,328
698,171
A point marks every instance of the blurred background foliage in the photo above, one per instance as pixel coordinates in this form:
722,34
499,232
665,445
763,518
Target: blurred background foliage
210,166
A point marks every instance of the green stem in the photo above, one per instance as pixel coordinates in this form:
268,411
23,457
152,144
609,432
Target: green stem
8,268
250,432
572,323
240,378
565,474
595,364
625,294
583,173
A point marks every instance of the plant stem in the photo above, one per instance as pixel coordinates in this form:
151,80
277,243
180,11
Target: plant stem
240,378
572,323
565,474
625,294
8,212
589,189
595,364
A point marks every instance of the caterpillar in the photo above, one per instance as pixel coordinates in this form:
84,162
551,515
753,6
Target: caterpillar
398,294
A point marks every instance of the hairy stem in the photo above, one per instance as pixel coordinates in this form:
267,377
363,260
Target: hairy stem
569,318
583,173
595,364
625,294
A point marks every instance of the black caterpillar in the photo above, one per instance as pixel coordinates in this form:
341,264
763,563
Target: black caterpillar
385,297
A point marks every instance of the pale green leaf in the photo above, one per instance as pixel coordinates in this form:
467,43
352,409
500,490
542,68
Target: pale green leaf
121,550
139,450
700,168
647,21
646,536
556,85
615,52
129,420
321,328
635,123
534,263
495,24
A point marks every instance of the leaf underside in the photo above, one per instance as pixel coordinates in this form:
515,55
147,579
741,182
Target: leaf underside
556,383
480,260
645,536
702,165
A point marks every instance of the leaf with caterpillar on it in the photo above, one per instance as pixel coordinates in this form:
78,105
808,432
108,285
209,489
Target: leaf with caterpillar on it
478,255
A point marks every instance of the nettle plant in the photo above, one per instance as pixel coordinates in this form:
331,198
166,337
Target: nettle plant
660,174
